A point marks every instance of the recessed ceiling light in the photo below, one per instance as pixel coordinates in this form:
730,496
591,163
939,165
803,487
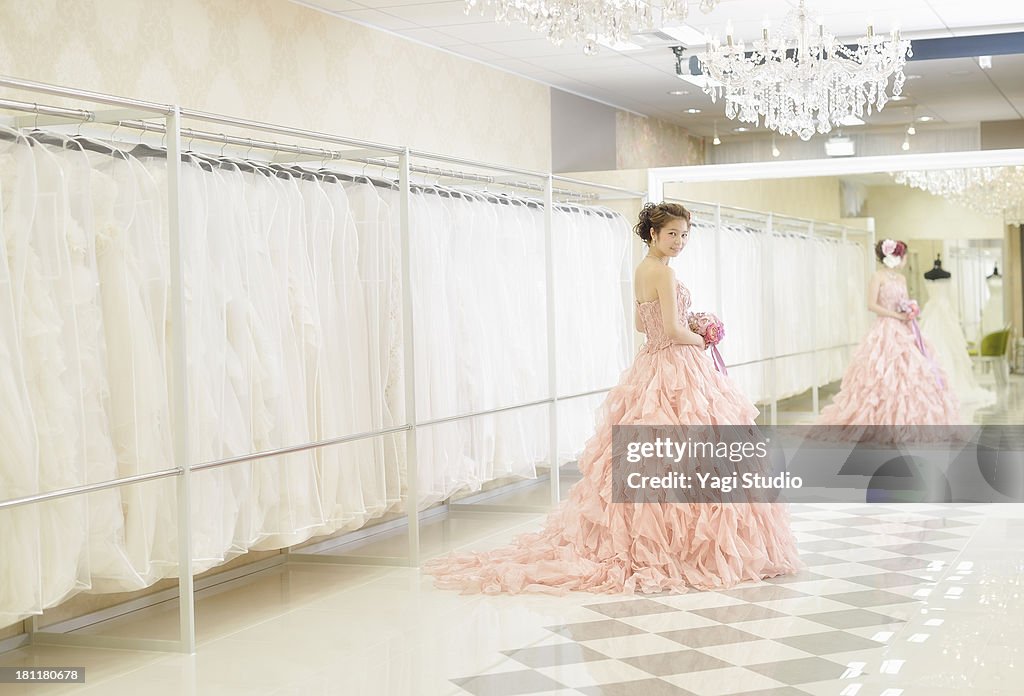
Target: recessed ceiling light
693,111
985,62
925,119
897,97
913,77
741,129
679,92
686,35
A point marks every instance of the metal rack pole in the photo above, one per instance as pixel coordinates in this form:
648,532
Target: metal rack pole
182,451
552,323
411,462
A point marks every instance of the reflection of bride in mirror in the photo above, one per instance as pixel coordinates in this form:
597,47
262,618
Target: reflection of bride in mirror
939,324
892,378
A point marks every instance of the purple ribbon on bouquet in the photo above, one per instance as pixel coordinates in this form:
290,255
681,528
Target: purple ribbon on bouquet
716,357
931,363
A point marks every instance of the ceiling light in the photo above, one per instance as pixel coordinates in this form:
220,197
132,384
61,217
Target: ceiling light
840,147
823,80
693,111
925,119
679,92
913,77
741,129
850,120
775,149
898,97
906,144
717,140
985,62
684,34
911,130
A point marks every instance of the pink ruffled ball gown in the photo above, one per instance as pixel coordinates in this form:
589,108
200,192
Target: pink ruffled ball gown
590,543
891,382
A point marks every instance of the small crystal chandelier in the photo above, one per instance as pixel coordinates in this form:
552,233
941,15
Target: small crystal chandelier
803,80
589,21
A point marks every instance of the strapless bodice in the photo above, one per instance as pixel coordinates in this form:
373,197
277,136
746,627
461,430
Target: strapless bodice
650,316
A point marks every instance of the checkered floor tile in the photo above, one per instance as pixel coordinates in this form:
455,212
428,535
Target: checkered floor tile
789,636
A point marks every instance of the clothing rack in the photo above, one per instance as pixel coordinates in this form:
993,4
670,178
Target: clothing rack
167,119
771,225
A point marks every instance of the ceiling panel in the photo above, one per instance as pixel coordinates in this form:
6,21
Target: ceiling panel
435,14
431,37
530,48
377,18
488,32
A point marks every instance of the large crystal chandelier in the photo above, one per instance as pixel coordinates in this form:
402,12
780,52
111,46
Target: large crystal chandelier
589,22
995,191
802,79
947,182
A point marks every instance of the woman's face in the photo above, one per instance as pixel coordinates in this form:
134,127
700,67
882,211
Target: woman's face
671,238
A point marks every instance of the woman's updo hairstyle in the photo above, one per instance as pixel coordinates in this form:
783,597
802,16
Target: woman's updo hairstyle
654,216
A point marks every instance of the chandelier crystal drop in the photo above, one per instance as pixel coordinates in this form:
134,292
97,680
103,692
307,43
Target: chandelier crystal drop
802,80
590,22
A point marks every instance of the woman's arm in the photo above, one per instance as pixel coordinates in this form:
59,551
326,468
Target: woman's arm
873,287
679,333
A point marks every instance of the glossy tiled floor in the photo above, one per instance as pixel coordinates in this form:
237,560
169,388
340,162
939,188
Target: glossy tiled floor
895,601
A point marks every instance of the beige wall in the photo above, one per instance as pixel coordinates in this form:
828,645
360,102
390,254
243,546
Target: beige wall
650,142
815,198
277,61
902,212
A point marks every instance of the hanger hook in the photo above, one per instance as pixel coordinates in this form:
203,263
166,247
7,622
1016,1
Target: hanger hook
249,150
163,140
224,143
36,109
113,136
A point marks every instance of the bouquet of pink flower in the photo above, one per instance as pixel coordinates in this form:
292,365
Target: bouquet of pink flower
707,326
909,307
712,330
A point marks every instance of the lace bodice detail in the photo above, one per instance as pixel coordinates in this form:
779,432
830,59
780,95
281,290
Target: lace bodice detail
650,316
892,290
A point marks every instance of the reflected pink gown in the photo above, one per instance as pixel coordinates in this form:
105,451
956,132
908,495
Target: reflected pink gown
891,382
592,544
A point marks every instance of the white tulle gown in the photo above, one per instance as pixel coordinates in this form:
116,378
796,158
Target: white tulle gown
940,326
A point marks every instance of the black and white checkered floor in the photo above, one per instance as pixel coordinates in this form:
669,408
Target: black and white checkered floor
889,604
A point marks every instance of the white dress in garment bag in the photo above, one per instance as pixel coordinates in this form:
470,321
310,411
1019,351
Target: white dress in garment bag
20,574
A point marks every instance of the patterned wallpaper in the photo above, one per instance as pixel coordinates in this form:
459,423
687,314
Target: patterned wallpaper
276,61
650,142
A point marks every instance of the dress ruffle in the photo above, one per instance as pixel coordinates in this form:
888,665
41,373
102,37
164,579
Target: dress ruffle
891,391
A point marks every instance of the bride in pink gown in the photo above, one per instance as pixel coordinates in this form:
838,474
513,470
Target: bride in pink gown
592,543
892,379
